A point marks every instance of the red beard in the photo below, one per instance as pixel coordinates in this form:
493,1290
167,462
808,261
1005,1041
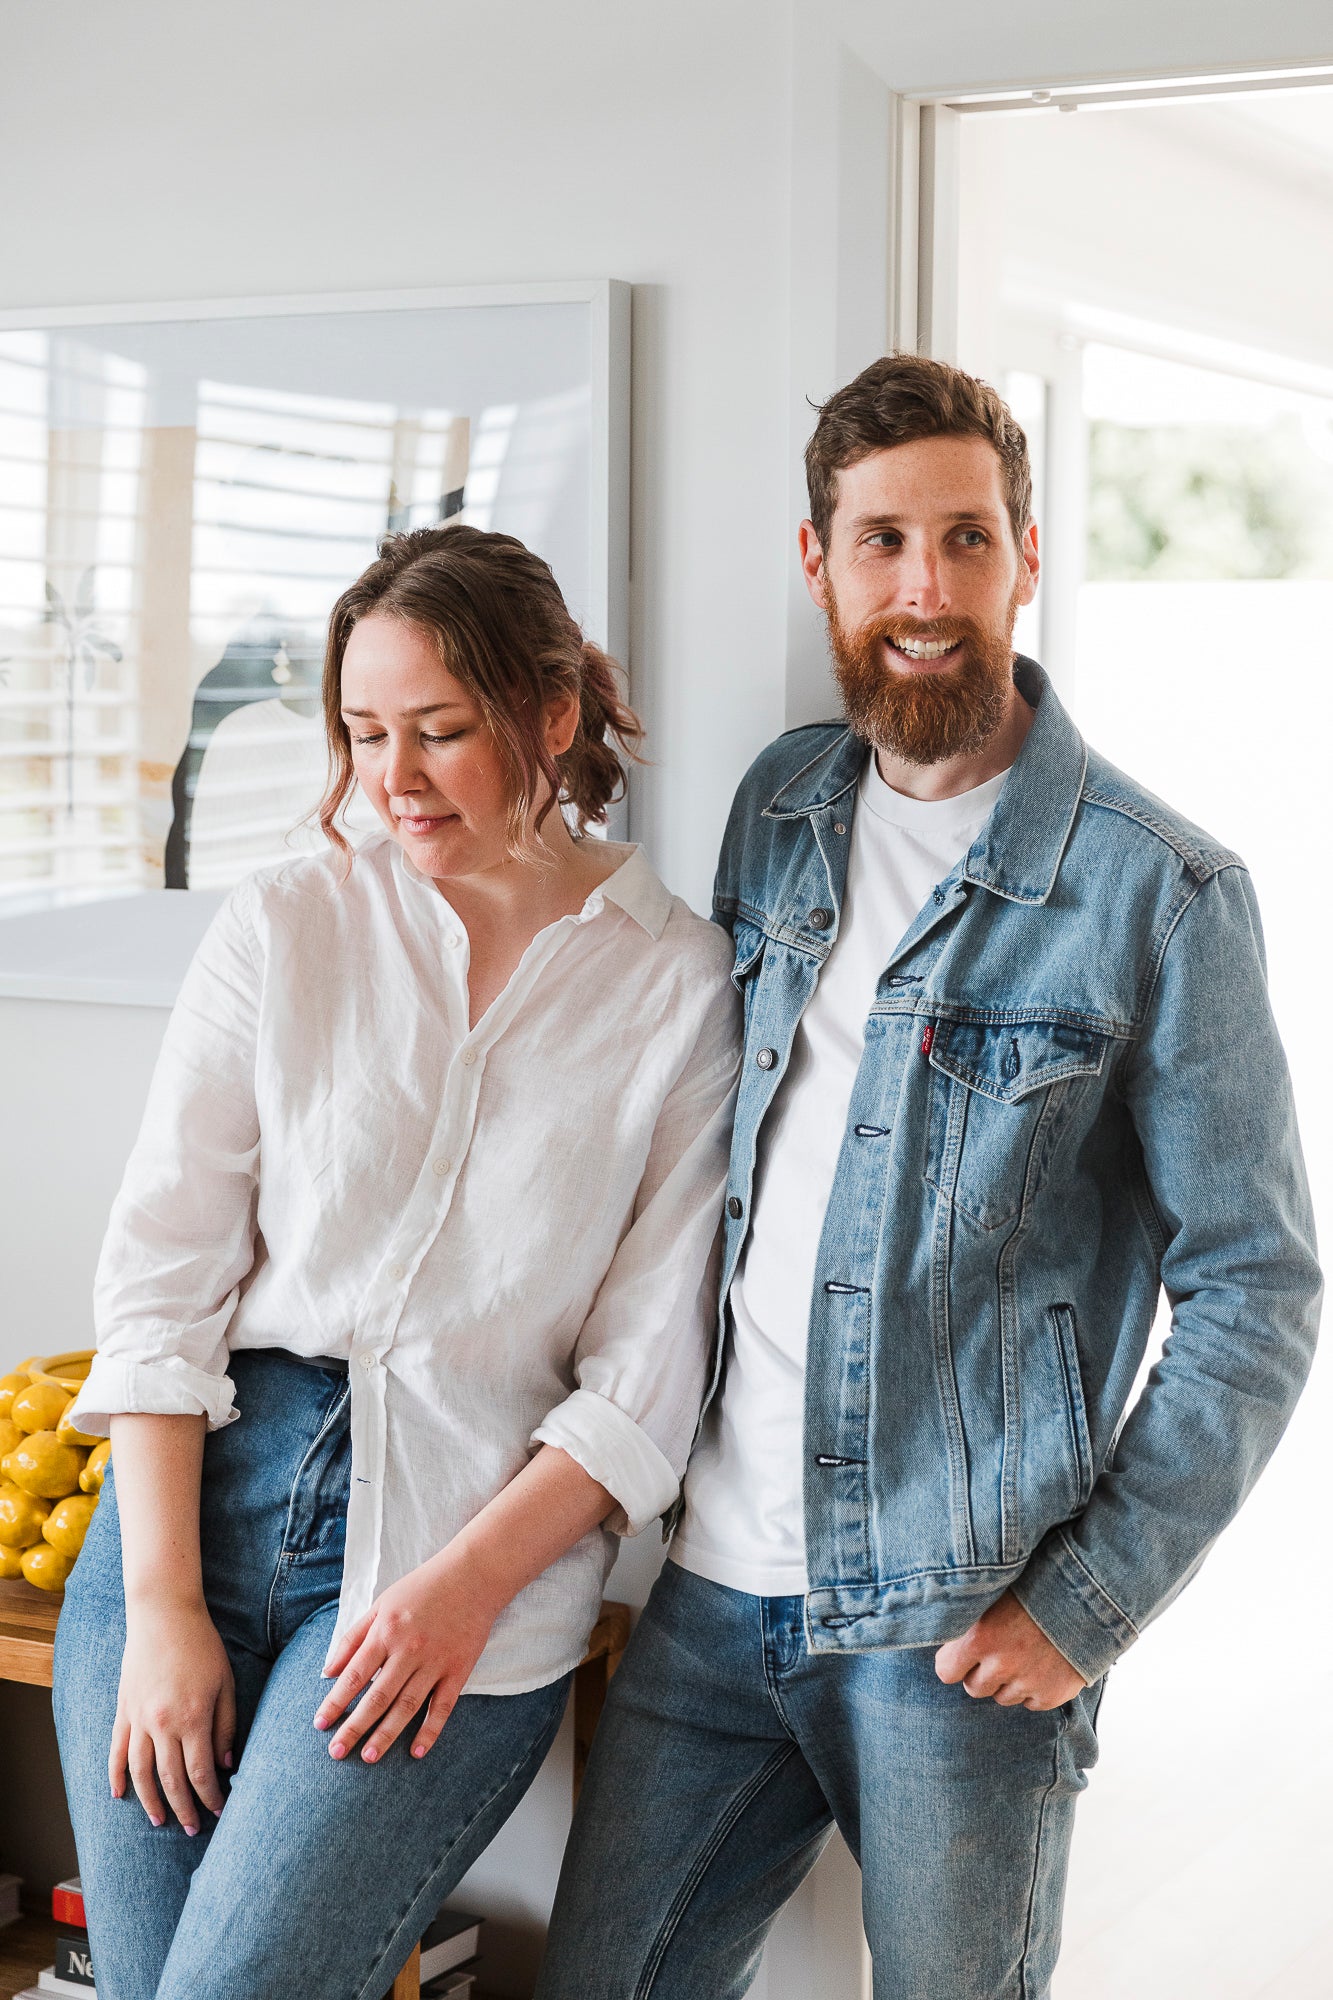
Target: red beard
924,717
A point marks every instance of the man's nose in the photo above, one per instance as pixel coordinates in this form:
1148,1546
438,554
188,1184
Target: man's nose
920,586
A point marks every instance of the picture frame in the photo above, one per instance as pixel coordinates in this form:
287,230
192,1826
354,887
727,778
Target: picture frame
185,488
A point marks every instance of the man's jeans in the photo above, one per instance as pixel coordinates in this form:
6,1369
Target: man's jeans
725,1754
319,1877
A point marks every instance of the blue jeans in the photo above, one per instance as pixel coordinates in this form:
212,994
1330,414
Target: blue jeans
319,1877
727,1751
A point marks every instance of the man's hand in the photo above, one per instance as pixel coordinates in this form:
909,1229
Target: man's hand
1007,1658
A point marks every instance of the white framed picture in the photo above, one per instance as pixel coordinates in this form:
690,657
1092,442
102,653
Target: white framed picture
185,490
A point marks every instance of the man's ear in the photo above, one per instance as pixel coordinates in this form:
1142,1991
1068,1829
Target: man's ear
812,564
1031,564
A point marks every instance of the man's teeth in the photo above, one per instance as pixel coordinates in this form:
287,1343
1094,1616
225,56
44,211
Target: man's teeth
925,649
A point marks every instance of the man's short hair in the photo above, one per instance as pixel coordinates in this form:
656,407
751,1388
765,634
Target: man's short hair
897,400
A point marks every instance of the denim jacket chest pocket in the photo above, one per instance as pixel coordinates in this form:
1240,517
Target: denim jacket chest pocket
1000,1090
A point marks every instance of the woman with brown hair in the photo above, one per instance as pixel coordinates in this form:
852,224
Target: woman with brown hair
424,1200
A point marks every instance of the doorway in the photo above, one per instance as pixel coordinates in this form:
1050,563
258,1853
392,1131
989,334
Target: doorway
1146,276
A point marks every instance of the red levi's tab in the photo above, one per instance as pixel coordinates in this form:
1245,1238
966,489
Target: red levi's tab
928,1040
67,1903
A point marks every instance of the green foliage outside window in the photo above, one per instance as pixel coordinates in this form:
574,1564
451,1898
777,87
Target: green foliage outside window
1208,502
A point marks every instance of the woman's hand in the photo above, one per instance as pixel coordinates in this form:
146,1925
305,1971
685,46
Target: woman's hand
176,1715
417,1645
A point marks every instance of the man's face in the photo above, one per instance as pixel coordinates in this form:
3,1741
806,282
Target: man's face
921,583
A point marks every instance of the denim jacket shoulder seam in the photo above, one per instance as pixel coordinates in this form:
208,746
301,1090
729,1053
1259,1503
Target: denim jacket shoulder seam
1168,928
1203,863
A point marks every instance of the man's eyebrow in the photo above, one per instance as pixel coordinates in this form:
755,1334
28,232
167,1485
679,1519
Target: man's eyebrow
427,708
860,522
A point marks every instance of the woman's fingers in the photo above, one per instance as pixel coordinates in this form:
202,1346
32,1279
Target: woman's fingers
224,1725
201,1770
175,1783
353,1680
439,1709
377,1699
143,1773
397,1716
344,1649
118,1761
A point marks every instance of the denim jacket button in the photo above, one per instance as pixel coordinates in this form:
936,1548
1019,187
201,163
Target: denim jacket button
820,919
766,1058
734,1207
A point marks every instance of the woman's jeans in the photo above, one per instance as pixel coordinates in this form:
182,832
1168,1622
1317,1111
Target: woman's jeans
726,1753
319,1876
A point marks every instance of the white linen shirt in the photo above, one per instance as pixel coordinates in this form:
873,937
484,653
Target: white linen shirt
508,1232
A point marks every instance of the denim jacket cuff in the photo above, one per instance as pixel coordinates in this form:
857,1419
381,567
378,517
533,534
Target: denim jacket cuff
1064,1598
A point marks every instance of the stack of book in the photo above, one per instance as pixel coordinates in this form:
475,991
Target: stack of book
449,1956
72,1973
449,1950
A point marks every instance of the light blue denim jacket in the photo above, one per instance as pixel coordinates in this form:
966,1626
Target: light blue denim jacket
1072,1091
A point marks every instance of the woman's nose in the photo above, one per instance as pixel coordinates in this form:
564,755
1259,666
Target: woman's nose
402,771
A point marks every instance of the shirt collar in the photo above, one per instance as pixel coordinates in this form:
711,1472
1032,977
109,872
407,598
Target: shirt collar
1018,851
633,887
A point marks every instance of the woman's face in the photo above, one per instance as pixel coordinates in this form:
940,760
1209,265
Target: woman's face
422,751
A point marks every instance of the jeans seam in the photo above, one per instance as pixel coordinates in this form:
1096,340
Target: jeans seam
743,1800
1036,1869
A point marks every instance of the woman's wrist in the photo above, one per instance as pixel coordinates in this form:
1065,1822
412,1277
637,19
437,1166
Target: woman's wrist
150,1596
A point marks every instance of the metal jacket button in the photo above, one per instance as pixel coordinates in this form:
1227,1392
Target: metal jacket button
766,1058
734,1207
820,919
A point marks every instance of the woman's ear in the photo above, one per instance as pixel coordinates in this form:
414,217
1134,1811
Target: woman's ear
561,723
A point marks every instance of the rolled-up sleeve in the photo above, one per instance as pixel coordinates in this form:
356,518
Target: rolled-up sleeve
181,1234
642,1358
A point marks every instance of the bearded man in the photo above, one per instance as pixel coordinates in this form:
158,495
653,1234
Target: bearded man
1010,1067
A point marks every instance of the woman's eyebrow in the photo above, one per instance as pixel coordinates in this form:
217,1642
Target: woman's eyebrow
427,708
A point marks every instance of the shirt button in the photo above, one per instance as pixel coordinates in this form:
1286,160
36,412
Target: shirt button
397,1273
440,1168
452,940
734,1207
820,919
469,1058
368,1362
838,826
766,1058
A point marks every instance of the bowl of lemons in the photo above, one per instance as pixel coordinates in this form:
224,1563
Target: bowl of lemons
50,1473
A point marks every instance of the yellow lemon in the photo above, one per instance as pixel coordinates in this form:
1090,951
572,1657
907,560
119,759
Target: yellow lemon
67,1434
94,1472
9,1436
46,1567
67,1523
11,1563
21,1517
40,1406
41,1464
10,1386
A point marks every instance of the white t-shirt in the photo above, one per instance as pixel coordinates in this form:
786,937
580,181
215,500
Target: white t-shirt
743,1523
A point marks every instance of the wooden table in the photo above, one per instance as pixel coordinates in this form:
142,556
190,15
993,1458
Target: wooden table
27,1640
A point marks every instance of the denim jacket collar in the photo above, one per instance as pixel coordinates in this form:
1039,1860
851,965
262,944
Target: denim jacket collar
1018,851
